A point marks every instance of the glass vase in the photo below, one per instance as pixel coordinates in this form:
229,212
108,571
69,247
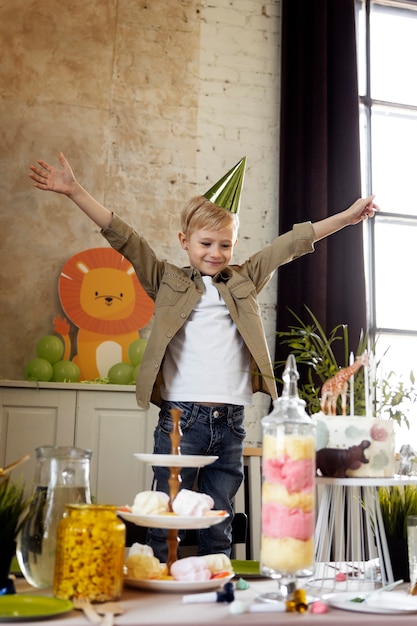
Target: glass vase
288,490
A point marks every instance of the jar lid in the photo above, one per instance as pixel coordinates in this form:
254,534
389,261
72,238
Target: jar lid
289,407
85,506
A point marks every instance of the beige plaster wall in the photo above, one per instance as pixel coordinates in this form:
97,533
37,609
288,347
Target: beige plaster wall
151,101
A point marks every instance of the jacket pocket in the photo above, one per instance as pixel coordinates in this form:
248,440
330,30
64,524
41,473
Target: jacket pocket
246,298
171,290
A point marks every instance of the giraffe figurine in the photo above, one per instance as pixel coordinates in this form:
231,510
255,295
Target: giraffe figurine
338,385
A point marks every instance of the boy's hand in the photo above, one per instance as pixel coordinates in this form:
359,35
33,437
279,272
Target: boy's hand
51,179
362,209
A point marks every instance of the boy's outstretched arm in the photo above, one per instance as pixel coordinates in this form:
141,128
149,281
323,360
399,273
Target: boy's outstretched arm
48,178
357,212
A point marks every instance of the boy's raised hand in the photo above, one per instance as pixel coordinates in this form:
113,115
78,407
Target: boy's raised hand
49,178
362,209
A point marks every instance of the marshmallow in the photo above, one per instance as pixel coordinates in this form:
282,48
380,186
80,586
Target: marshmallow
218,563
145,567
192,503
150,503
140,548
191,568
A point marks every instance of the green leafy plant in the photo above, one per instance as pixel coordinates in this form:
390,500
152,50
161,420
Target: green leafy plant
315,352
397,502
394,396
12,505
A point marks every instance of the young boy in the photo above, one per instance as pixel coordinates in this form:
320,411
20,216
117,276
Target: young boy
207,352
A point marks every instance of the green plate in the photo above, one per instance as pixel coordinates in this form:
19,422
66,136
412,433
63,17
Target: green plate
248,569
14,567
24,608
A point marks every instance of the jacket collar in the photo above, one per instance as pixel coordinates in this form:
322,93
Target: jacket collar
222,276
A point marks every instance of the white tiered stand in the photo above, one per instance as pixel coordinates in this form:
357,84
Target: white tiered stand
350,533
175,461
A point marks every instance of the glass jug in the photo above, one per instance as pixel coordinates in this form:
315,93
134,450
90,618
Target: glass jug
288,489
62,476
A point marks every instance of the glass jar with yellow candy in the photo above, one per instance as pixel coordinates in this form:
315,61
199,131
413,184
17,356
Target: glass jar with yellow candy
90,553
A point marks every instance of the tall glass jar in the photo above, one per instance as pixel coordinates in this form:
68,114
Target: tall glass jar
288,487
62,476
90,553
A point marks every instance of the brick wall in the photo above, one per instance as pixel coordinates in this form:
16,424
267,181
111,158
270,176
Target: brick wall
151,102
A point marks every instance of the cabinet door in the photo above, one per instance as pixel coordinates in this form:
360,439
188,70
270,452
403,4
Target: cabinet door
31,418
112,426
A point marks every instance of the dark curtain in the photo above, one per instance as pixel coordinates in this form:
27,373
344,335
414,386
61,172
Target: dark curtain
320,163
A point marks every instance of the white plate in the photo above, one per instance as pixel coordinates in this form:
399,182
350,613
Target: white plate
176,460
388,602
177,586
182,522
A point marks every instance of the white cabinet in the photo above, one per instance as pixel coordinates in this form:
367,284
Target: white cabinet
113,427
103,418
106,420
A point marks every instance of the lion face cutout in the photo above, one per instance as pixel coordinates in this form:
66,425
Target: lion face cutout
101,294
107,296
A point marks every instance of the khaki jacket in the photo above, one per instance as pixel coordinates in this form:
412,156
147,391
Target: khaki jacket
177,290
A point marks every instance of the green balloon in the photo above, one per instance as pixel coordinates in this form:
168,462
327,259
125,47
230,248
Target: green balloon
38,369
66,372
121,374
50,348
135,373
136,350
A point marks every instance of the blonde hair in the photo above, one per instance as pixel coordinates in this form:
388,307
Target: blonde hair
200,213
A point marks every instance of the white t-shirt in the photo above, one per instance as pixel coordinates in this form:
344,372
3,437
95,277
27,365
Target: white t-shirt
207,360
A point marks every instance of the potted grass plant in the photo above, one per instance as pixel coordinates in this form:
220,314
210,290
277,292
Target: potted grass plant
397,503
12,505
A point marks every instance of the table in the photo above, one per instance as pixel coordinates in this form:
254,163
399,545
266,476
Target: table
145,608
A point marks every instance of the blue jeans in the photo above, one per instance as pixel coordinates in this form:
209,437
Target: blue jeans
207,431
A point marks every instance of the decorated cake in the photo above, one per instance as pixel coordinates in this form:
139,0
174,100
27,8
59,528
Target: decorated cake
351,445
354,446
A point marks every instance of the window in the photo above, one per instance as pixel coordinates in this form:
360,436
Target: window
387,62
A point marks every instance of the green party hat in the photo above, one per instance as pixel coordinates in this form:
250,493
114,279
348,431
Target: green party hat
226,192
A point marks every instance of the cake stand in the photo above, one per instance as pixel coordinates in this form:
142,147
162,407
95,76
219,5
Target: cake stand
350,533
175,461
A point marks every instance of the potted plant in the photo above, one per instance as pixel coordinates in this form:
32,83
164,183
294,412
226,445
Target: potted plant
397,503
12,505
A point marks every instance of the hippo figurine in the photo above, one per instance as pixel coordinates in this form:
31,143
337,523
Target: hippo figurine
333,462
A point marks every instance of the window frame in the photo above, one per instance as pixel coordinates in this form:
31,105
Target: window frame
366,103
394,347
